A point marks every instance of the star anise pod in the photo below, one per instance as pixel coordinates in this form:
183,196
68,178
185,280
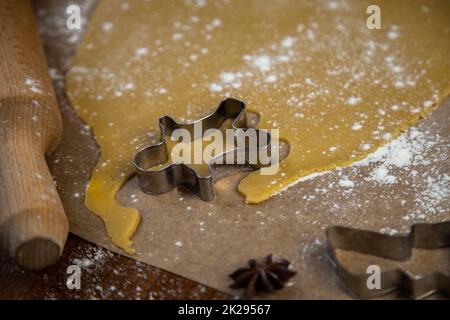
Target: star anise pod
258,277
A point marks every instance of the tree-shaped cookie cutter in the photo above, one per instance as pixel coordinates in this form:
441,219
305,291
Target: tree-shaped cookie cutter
395,247
181,174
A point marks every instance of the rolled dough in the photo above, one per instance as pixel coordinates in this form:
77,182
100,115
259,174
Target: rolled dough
336,90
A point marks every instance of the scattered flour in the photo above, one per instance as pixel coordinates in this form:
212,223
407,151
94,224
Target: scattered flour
381,175
399,162
389,231
353,101
107,26
263,62
141,51
346,183
179,243
356,126
288,42
34,85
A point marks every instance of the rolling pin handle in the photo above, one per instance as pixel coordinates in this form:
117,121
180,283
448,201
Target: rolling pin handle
33,225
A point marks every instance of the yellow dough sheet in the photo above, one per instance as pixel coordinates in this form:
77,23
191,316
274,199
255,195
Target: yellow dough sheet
336,90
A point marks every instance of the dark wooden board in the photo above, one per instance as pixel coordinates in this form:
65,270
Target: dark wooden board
110,276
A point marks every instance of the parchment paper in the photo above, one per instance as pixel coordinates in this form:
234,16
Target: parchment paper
205,241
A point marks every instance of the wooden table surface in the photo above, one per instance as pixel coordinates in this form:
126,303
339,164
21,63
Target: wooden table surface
105,275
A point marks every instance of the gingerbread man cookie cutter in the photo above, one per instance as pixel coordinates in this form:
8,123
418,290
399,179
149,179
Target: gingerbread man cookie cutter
174,174
395,247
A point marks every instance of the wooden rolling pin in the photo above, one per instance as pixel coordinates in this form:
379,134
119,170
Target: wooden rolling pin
33,225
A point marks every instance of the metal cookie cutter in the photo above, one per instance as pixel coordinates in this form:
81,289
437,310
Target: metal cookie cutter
174,174
425,236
